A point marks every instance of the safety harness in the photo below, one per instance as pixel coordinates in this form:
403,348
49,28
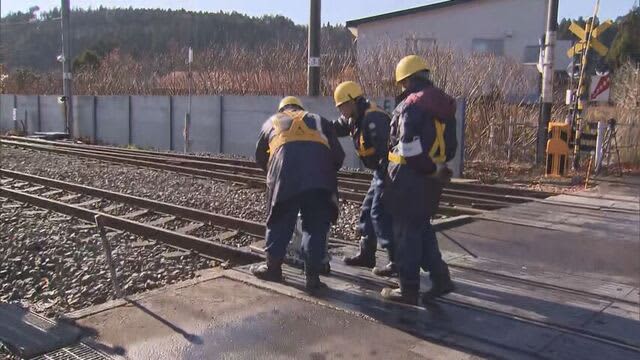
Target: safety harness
437,151
361,149
298,131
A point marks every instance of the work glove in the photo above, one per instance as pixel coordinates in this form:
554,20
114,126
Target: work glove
346,122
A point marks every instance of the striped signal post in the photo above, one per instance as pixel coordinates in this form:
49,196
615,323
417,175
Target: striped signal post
588,39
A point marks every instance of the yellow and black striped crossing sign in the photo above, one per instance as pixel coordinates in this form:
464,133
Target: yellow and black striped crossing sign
582,34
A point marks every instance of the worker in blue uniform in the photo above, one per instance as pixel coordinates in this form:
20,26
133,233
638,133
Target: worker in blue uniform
301,154
422,140
368,126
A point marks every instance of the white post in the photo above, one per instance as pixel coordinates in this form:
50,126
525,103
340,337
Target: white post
491,135
510,140
15,119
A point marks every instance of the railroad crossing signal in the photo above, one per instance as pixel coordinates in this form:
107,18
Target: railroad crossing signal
594,42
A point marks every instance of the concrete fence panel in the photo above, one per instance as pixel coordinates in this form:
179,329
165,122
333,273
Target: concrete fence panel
112,120
150,123
219,124
6,112
52,117
242,118
84,121
205,132
29,112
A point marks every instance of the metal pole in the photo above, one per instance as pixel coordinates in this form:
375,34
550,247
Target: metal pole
510,140
108,257
547,79
190,80
602,129
67,78
313,73
582,94
187,117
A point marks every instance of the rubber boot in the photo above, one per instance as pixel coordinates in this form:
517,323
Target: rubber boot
364,257
389,270
441,285
271,270
313,282
405,295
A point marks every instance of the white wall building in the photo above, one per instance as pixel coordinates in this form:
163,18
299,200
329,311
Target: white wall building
510,28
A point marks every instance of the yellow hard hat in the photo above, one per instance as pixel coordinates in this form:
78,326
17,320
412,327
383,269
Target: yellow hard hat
289,100
346,91
410,65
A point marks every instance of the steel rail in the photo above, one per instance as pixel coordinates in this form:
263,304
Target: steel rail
238,165
175,239
258,181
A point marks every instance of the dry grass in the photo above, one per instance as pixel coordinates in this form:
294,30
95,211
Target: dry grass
494,87
496,92
626,95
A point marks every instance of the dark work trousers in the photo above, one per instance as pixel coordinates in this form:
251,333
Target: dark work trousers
416,247
315,209
375,223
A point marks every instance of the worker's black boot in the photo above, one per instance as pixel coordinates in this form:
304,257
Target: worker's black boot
271,270
389,270
404,294
313,282
326,269
366,257
361,259
441,285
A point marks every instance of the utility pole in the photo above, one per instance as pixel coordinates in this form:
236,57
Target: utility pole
313,70
547,79
67,78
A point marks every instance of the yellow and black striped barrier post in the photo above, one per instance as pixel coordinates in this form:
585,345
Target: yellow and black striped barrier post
557,149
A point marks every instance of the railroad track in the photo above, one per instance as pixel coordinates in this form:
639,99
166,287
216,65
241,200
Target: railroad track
153,219
469,275
458,198
179,227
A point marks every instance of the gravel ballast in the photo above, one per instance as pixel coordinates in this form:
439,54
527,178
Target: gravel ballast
212,195
53,263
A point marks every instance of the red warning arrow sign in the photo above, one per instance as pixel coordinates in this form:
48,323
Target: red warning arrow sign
600,92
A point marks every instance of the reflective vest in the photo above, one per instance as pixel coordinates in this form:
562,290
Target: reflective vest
298,131
437,151
361,149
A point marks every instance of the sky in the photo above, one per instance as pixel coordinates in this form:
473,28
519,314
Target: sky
333,11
